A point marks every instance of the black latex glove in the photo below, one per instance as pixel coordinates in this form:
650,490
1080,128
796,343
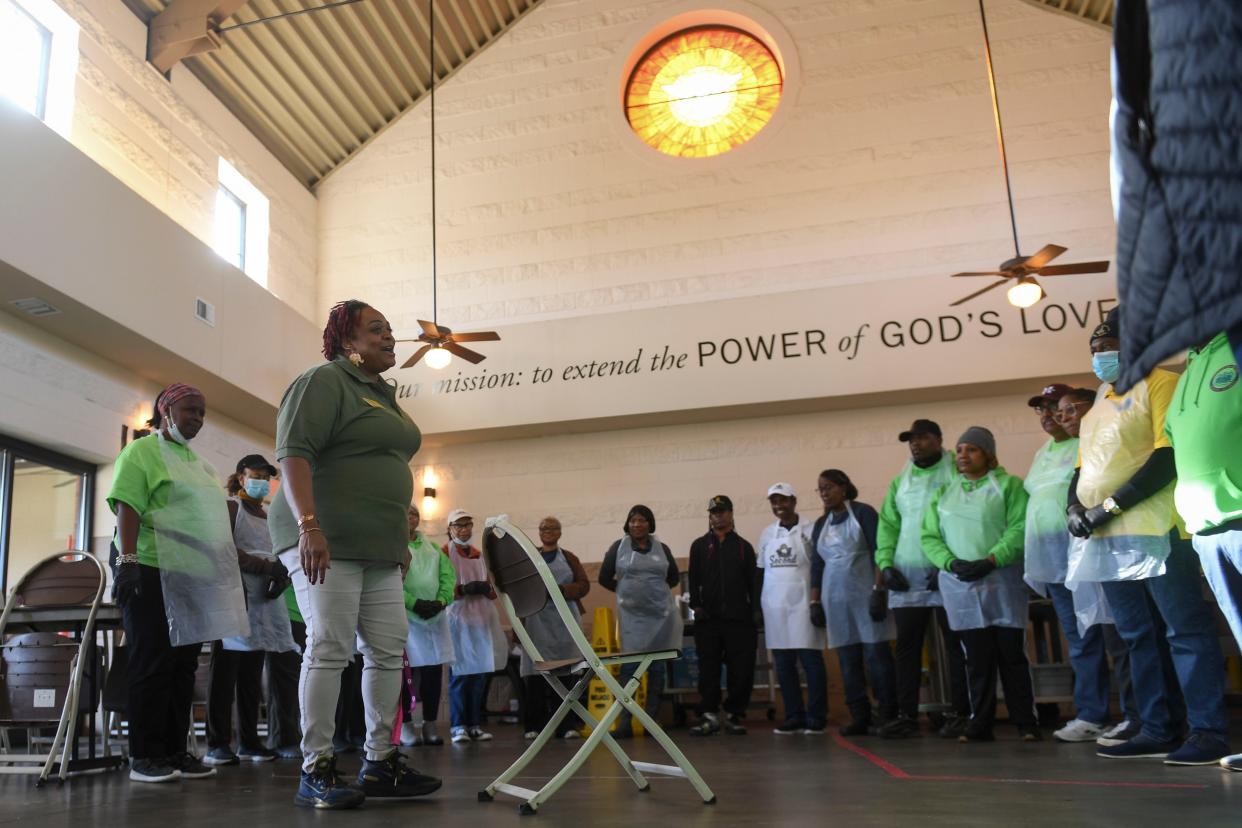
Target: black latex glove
894,580
971,570
127,585
476,588
1097,516
757,617
877,606
933,581
427,609
1076,516
278,581
818,618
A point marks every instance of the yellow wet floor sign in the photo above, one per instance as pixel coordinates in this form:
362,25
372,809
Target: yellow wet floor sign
604,639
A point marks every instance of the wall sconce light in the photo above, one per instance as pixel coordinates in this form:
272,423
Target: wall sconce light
429,492
129,435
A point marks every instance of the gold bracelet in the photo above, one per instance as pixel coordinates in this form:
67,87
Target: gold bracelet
307,530
305,519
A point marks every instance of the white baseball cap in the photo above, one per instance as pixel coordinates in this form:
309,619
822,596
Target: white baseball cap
458,514
781,489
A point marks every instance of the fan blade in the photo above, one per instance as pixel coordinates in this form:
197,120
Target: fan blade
430,329
477,336
464,353
417,356
1071,269
1044,255
981,273
979,292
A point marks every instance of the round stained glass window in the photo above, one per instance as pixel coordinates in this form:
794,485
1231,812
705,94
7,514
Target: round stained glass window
703,91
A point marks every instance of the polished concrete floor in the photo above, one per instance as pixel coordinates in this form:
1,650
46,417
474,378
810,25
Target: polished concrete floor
759,779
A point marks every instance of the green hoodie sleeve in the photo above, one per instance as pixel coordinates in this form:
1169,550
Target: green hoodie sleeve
934,547
448,580
1008,550
889,528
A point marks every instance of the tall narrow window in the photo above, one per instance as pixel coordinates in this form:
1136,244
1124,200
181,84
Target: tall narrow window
25,58
231,228
241,226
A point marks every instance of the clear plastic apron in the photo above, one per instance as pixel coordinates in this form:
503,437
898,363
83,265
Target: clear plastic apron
1115,440
203,597
269,617
645,604
849,578
478,641
1090,604
1047,536
971,522
786,597
429,641
546,628
913,494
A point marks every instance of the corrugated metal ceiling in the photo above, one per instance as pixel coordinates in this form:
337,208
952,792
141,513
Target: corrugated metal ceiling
315,88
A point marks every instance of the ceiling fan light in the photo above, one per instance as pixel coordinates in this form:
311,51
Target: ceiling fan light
438,358
1024,294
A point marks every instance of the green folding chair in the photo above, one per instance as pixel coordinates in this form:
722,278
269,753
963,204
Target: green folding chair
526,585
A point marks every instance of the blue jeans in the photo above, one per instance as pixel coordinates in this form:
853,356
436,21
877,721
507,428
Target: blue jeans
466,697
1193,691
1087,656
815,711
1221,556
879,660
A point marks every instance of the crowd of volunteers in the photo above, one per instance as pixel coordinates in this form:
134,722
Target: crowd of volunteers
333,588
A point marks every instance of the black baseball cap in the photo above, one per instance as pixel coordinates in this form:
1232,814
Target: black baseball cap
1050,394
1111,326
920,427
720,503
257,462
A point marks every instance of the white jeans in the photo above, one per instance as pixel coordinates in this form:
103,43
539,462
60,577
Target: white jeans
362,601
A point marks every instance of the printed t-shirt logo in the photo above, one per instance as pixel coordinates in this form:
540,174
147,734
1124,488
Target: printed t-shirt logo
783,555
1225,378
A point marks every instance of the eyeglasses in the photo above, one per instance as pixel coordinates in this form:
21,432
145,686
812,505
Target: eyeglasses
466,524
1076,406
549,529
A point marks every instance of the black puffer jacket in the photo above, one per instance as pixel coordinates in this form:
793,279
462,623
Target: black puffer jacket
1177,138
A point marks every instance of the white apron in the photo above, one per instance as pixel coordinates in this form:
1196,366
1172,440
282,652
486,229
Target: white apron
478,641
645,604
546,628
971,522
849,579
785,557
269,617
914,492
429,642
202,585
1047,533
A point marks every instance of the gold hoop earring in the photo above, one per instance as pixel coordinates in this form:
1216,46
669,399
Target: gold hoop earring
356,359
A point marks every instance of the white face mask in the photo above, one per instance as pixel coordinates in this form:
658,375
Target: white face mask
464,544
175,433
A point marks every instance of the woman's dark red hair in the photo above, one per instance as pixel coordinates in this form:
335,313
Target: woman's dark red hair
342,320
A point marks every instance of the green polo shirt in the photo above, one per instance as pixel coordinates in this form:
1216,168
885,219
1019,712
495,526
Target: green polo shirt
359,443
140,480
1204,425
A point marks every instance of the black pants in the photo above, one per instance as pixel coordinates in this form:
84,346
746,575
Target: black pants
351,727
428,687
1003,649
161,676
540,701
731,643
911,628
234,673
284,725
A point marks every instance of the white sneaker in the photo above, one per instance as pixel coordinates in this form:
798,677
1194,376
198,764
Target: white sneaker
1077,730
530,735
411,734
1118,734
460,735
570,735
478,734
1232,763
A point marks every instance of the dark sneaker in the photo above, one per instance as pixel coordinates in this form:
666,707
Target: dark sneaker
153,770
190,766
953,727
260,754
856,727
478,734
323,788
389,778
816,729
1118,734
789,728
733,726
901,727
976,732
217,757
1140,747
1199,749
1030,733
708,726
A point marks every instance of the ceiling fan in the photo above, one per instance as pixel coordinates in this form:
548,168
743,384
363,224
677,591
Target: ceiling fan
438,337
1020,270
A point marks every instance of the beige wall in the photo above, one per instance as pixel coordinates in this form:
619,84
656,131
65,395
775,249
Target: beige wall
163,138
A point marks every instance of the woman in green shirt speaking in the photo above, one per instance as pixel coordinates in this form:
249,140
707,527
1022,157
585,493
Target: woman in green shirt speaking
344,446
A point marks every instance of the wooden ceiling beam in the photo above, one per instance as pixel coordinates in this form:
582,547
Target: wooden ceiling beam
186,27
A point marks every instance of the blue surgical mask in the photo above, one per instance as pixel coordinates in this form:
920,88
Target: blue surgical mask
1107,365
175,433
257,489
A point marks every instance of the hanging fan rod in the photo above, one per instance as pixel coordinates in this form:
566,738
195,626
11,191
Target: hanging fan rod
1000,130
431,47
294,13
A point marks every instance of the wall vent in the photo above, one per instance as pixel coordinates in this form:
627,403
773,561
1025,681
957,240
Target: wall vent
205,311
35,307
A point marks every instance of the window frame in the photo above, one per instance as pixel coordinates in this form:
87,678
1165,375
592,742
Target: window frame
257,227
240,264
45,58
60,70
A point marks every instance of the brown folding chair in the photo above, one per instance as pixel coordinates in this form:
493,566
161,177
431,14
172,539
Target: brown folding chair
526,585
43,672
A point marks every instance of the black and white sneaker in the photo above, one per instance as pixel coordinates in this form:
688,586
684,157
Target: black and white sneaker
789,728
153,770
390,778
218,757
259,754
191,766
732,725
